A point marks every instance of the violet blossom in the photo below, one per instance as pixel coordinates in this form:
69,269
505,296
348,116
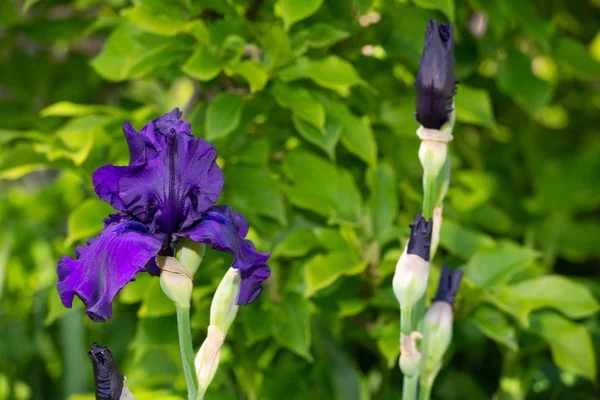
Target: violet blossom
166,194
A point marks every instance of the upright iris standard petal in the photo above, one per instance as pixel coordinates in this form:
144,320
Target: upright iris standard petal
436,82
106,184
176,187
104,265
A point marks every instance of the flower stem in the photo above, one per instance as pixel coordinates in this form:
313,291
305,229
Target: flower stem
428,195
424,391
410,387
187,349
406,323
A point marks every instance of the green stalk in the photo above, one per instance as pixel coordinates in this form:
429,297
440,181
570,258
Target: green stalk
406,323
410,383
425,391
187,350
410,387
429,195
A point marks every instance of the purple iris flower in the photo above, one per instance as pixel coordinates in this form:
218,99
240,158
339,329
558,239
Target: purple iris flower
165,194
436,83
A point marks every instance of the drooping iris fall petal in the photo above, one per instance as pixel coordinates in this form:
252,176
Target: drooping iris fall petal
175,187
104,265
225,230
436,82
252,278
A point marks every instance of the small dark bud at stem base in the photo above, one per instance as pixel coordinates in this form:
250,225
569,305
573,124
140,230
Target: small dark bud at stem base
109,380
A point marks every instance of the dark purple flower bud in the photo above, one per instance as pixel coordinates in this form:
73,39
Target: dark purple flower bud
448,285
419,242
108,378
166,194
436,83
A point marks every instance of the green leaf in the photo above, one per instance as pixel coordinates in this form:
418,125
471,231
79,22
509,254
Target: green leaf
223,115
322,187
257,323
317,36
331,72
570,343
462,241
299,100
156,16
276,44
324,269
359,139
85,221
388,341
325,140
68,109
493,324
199,31
254,73
75,139
445,6
357,136
155,303
130,53
292,325
550,291
20,160
203,64
56,309
576,58
516,80
495,266
296,244
255,192
383,201
297,10
28,4
473,106
134,292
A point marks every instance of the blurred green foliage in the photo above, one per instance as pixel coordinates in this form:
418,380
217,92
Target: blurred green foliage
310,105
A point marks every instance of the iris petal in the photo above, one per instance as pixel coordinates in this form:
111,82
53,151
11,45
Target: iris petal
225,230
104,266
106,184
252,278
173,189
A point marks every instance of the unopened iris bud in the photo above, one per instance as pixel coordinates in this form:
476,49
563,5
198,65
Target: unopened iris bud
175,281
223,310
108,379
419,242
436,82
224,306
412,269
190,255
437,325
207,359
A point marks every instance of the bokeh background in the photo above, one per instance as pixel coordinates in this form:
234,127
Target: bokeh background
310,104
